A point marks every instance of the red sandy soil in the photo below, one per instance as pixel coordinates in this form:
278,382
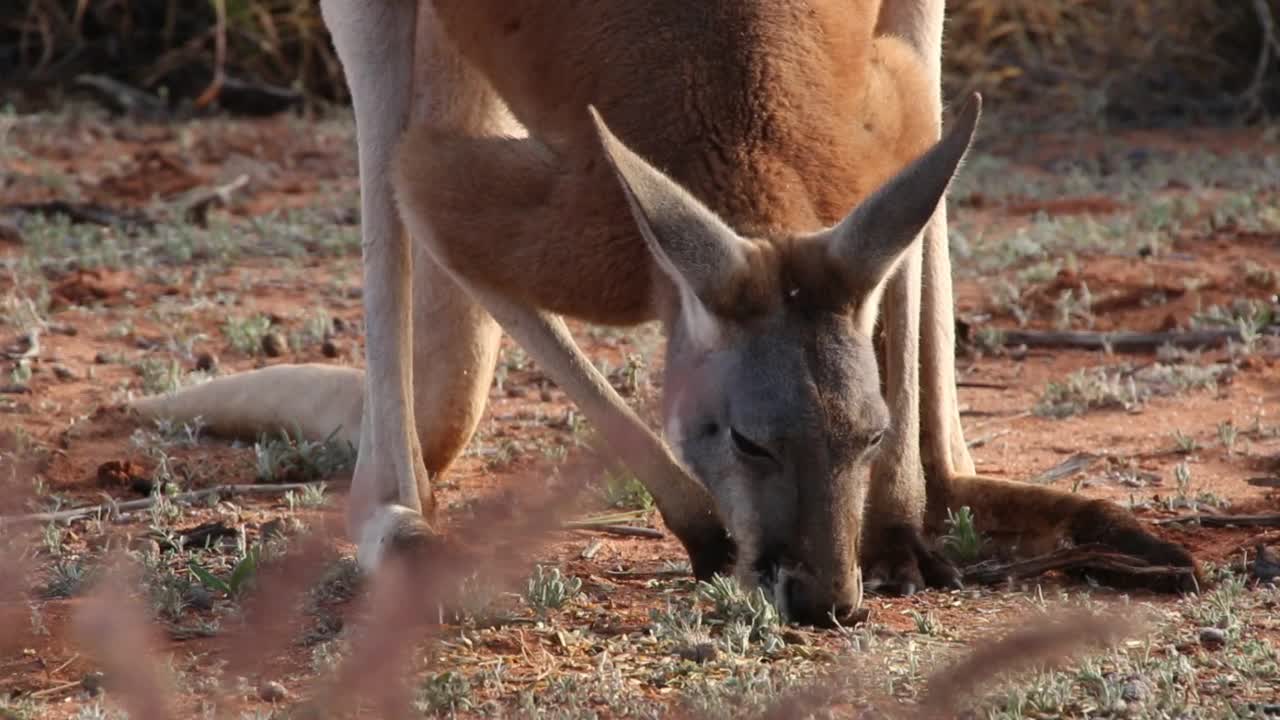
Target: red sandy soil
73,419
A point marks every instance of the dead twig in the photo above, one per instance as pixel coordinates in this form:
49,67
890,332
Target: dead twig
1081,557
1120,342
210,93
1077,463
980,385
112,508
983,440
87,213
645,574
200,201
625,530
1221,521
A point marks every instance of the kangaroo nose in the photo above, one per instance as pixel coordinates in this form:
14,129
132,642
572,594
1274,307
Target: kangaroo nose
812,601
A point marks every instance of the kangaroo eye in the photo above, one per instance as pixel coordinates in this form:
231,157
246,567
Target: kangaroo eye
874,441
748,448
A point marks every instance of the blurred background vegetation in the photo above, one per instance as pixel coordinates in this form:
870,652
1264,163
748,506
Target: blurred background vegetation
1054,63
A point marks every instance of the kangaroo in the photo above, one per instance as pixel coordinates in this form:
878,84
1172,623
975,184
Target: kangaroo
766,178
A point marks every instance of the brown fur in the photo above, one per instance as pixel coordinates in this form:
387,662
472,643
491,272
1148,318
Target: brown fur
741,148
754,140
780,117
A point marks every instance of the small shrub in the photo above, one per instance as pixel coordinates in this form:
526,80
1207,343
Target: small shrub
286,460
549,590
962,542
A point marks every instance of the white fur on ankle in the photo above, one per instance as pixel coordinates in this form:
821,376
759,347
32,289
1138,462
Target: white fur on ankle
378,532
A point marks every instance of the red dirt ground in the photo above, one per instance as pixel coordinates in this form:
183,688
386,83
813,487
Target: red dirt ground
64,427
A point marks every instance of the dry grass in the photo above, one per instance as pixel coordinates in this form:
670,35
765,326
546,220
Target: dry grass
1125,61
1104,60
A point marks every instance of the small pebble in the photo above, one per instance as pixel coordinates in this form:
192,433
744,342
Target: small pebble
700,653
273,527
1212,637
792,637
272,691
1135,690
101,358
199,598
206,362
62,372
274,344
545,395
147,546
92,682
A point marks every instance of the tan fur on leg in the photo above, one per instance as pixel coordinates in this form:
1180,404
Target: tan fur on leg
315,399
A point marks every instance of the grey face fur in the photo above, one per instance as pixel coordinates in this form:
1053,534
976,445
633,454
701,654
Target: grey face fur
779,414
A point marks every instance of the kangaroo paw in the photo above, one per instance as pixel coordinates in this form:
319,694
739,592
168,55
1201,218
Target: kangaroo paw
712,552
900,562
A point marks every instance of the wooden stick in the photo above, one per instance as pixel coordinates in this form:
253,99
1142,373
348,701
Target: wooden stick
1081,557
644,574
88,213
1121,342
983,440
130,505
626,530
1221,521
61,687
980,385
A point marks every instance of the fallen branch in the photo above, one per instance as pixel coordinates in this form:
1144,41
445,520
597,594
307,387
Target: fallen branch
115,508
1221,521
625,530
980,385
200,201
87,213
1080,557
1271,482
1120,342
121,98
983,440
645,574
1077,463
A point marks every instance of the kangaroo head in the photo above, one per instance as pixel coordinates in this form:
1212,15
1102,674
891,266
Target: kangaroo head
771,391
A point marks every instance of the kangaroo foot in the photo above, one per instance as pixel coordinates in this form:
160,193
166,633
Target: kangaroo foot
900,562
1106,523
396,533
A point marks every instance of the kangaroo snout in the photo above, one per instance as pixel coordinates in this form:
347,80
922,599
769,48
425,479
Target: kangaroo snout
821,602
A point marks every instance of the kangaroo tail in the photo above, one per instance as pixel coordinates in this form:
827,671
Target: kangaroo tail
316,400
1036,518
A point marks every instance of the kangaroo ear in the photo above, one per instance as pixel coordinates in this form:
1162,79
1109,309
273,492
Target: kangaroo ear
869,241
701,254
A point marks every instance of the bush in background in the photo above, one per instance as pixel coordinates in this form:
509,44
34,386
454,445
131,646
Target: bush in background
1119,62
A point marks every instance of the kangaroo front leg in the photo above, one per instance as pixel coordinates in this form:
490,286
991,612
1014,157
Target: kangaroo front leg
522,235
894,554
374,41
686,506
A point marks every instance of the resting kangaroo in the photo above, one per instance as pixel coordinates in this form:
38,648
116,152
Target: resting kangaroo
754,173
